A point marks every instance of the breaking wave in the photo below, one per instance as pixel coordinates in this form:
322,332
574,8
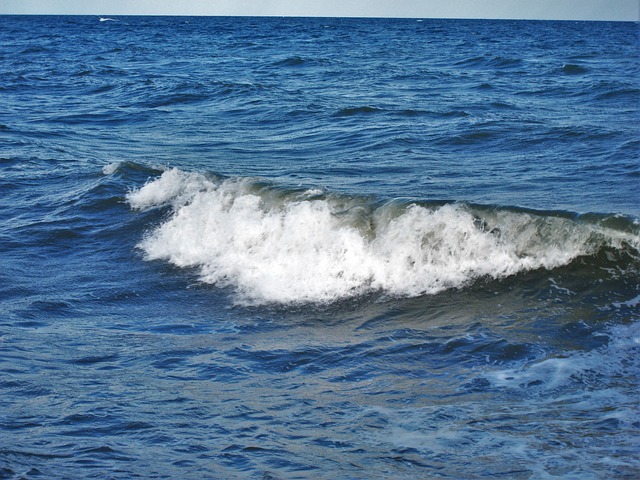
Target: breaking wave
278,245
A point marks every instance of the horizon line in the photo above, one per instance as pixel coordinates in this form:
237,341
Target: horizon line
382,17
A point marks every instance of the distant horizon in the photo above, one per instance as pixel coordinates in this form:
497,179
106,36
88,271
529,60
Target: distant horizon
189,15
571,10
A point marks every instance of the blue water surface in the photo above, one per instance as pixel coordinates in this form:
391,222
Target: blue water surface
281,248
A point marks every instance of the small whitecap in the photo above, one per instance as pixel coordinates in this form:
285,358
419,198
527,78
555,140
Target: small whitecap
110,168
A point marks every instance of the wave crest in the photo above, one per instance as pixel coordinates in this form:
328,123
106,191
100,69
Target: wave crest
281,246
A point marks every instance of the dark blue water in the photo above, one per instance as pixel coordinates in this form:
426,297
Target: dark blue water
319,248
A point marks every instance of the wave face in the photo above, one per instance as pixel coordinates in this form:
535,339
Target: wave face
274,245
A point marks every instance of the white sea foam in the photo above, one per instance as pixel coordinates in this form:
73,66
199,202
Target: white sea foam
110,168
633,303
609,361
277,247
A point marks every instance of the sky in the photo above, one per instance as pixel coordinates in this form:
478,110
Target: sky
626,10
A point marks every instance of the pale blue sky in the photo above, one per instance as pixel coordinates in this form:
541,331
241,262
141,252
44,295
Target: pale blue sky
531,9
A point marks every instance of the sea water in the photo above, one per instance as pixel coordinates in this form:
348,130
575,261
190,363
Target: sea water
280,248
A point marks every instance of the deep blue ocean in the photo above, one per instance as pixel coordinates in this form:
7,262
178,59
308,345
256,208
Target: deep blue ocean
293,248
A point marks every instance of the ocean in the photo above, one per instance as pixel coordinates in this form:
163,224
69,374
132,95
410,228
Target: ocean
292,248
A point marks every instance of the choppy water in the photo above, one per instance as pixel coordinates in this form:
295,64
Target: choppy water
318,248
